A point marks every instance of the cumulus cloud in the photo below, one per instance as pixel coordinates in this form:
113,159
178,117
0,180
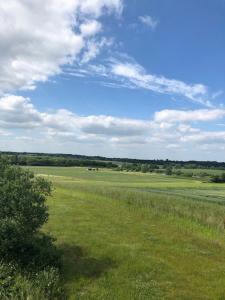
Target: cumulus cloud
112,126
205,138
98,7
202,115
38,37
90,28
168,129
17,111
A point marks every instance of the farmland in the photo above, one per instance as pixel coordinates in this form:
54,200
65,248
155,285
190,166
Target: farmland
137,236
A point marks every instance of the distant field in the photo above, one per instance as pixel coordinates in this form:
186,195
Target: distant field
138,236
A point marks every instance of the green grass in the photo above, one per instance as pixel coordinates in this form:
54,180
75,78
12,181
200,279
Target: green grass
138,236
199,171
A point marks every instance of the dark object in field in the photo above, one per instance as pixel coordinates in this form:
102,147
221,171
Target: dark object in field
218,178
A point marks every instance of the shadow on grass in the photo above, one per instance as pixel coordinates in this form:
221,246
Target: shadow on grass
78,264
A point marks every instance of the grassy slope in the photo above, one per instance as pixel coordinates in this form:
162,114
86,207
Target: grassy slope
138,236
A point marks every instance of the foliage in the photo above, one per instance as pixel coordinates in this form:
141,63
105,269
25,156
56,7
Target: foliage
69,160
56,160
218,178
169,171
30,260
41,285
22,213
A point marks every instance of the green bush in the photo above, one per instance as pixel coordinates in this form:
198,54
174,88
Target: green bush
38,286
22,213
218,178
169,171
30,260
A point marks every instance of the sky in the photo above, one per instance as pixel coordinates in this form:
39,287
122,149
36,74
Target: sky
117,78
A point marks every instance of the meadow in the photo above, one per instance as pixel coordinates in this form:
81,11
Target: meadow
137,236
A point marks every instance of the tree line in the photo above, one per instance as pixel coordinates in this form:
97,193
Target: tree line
170,170
43,159
56,161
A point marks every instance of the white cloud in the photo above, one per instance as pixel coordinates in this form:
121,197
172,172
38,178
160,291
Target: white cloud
18,112
38,37
205,138
90,28
136,76
149,21
93,48
111,126
60,130
98,7
217,94
203,115
126,73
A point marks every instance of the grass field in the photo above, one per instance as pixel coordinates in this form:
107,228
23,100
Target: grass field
137,236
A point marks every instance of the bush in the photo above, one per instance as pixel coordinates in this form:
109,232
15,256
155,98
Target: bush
31,260
178,173
22,213
218,178
169,171
38,286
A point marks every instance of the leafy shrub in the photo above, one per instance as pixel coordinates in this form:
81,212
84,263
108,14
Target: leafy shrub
218,178
22,213
31,260
169,171
39,286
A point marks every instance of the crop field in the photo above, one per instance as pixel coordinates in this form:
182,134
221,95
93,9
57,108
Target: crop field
137,236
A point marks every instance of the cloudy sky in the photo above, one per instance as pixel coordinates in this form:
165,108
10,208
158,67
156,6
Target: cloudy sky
121,78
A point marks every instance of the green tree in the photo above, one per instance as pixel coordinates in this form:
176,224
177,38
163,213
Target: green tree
169,171
23,211
144,168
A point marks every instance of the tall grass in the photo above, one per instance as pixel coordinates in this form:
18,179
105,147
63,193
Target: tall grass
17,285
210,214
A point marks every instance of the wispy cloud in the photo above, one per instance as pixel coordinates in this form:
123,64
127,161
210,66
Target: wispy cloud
217,94
137,76
126,73
149,21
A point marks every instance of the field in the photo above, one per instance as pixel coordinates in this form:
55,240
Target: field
137,236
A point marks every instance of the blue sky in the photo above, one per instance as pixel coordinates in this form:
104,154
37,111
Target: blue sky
133,78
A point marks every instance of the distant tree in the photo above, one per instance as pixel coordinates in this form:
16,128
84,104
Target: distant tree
189,174
218,178
169,171
144,168
178,173
222,177
151,168
215,179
